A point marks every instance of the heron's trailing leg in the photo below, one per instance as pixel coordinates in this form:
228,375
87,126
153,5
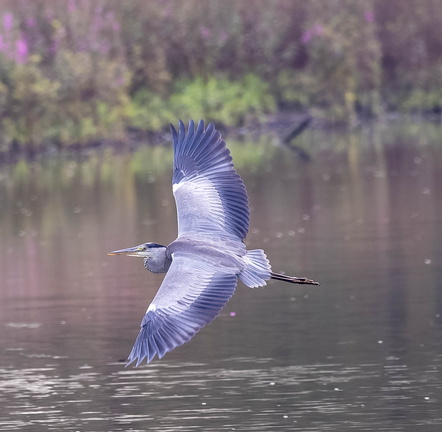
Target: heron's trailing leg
293,279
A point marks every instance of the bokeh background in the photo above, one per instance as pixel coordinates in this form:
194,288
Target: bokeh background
77,71
353,198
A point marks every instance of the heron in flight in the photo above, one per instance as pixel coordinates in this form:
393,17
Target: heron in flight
208,257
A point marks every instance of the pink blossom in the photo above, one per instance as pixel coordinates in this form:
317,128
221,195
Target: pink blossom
205,32
8,21
30,22
318,29
71,5
21,51
369,16
112,21
309,34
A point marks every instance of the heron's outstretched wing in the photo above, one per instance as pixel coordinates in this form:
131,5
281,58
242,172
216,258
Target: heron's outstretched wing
192,295
210,195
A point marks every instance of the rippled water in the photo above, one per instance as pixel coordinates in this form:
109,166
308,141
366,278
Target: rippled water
361,352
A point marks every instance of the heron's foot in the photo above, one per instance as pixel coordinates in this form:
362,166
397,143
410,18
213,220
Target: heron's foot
293,279
304,280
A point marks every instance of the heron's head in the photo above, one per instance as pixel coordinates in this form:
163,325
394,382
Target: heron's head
144,250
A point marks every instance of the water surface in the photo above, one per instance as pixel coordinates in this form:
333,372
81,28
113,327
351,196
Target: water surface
361,352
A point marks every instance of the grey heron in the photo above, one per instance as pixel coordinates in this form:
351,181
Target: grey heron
208,257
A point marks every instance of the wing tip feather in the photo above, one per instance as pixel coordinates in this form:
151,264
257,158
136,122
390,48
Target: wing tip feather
173,132
201,152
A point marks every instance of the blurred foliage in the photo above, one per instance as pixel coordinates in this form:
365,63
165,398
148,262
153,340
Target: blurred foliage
214,99
77,71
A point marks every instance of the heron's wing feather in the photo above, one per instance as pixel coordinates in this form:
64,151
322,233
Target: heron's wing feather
210,195
192,294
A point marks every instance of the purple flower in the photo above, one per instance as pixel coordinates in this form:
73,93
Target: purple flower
112,21
71,5
30,22
21,51
315,30
205,32
307,36
369,16
8,21
318,29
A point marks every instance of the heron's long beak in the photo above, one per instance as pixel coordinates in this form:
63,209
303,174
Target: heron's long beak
136,251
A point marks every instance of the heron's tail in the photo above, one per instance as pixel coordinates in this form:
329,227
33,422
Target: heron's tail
293,279
257,269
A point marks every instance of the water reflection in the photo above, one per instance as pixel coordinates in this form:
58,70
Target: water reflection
248,391
362,352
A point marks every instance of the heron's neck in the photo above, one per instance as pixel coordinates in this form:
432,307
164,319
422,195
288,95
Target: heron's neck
159,262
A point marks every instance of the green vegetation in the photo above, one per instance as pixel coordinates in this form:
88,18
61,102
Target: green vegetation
77,71
215,99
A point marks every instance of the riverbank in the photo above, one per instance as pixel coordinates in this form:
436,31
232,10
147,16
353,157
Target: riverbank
78,72
283,128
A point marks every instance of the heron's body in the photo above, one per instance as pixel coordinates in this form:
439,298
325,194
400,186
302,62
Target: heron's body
225,253
208,257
